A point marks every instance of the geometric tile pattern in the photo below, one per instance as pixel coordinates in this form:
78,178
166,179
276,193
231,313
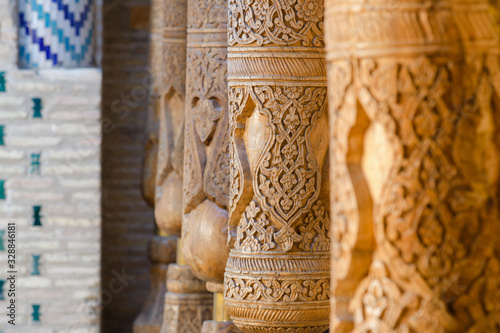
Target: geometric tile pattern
55,33
37,107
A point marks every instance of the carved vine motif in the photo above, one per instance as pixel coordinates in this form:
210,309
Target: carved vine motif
207,72
272,22
279,223
217,174
381,305
236,98
277,290
175,13
207,14
254,329
484,294
287,174
434,198
207,140
191,183
432,210
345,222
185,318
344,219
315,232
255,233
174,22
422,213
481,299
174,55
191,319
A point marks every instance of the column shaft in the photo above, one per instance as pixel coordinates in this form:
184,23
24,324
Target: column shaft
414,155
277,276
187,303
162,248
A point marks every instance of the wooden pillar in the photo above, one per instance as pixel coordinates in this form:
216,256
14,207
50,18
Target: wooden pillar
277,277
414,112
161,252
206,152
187,303
162,248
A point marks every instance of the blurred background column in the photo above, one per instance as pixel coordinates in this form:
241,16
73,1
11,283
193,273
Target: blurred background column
187,302
206,154
414,110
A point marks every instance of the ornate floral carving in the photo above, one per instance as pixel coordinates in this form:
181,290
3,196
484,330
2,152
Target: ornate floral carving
174,56
237,97
284,214
268,22
315,233
207,14
311,329
207,140
419,207
218,173
191,184
434,201
277,290
175,14
287,171
255,233
206,185
207,86
421,213
309,10
185,313
277,274
167,68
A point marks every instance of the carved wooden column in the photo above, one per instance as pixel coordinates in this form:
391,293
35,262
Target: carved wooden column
162,248
277,277
414,112
161,252
187,303
206,154
495,9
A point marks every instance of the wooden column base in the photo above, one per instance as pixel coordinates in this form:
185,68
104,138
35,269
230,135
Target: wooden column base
161,252
221,322
212,326
187,303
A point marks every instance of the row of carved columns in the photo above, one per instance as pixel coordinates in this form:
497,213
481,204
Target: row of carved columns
309,183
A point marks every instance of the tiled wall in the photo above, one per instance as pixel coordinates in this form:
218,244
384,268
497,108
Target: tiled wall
50,187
